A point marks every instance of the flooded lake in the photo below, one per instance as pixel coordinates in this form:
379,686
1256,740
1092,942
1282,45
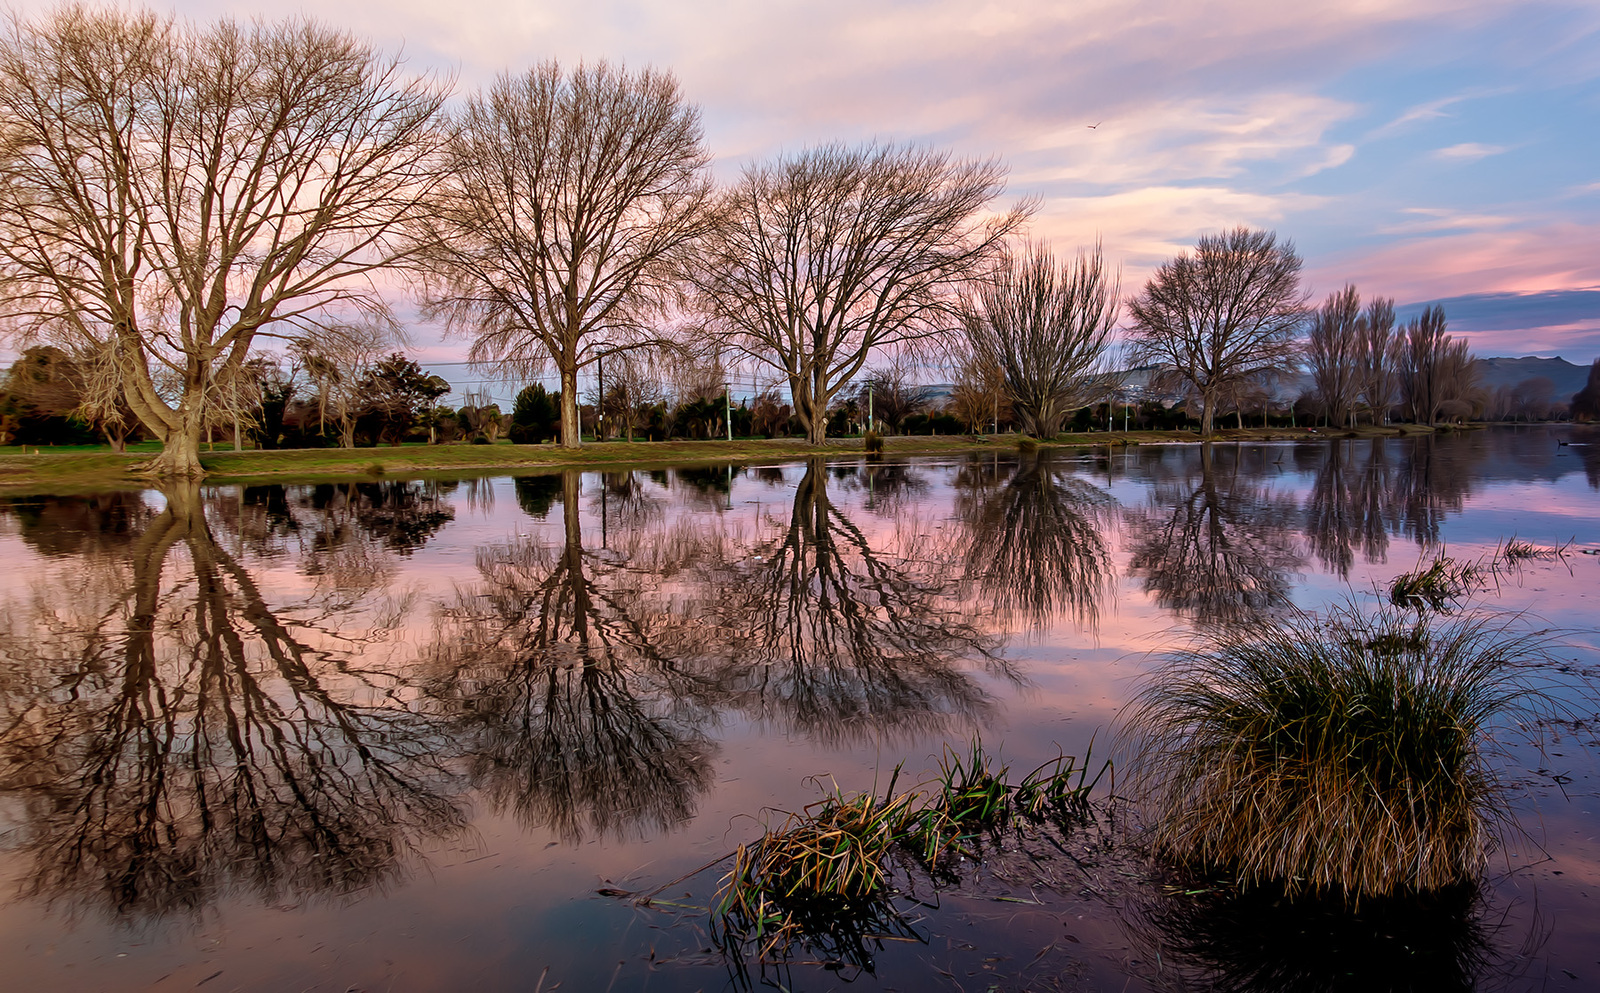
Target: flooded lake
434,734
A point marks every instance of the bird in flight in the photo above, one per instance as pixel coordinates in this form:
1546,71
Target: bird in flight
1096,124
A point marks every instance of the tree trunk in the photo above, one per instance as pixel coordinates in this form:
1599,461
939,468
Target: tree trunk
817,425
180,450
571,429
1207,408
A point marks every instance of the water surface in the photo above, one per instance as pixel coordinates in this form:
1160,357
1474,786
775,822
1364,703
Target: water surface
399,734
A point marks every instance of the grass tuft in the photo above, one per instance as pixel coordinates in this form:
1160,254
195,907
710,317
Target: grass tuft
1440,587
872,443
375,469
1346,754
1027,445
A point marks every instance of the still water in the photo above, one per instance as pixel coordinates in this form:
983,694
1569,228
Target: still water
418,735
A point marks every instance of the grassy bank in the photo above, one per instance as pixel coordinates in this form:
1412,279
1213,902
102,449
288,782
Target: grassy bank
79,469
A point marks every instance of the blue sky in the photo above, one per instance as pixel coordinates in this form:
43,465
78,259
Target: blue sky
1430,151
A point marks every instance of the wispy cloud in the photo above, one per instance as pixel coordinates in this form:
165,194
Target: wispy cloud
1191,140
1423,220
1143,227
1470,151
1318,118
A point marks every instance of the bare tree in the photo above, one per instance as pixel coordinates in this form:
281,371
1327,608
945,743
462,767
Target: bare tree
1224,314
1046,327
892,393
1334,348
1533,399
632,385
570,199
979,393
829,255
1438,375
1378,355
179,191
335,368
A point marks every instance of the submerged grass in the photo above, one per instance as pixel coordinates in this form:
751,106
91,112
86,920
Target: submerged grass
821,878
1346,754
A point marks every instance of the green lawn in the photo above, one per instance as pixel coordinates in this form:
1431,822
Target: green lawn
78,468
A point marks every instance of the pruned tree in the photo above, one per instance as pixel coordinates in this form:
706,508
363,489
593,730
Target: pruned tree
481,414
1378,356
176,192
1046,328
1224,314
46,382
1334,349
825,257
571,198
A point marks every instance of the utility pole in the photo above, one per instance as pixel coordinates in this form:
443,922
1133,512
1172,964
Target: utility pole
727,412
600,404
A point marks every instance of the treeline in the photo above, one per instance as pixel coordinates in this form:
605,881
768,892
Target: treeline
200,218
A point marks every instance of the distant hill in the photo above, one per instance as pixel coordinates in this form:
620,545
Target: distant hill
1568,378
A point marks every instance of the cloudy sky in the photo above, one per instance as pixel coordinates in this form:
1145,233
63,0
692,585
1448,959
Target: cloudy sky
1437,150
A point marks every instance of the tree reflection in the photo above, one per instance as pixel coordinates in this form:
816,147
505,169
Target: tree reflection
177,740
570,714
1428,488
1351,506
1034,540
1214,544
825,633
87,525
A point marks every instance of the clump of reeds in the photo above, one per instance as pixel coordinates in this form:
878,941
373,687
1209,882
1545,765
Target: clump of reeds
1517,550
872,443
822,875
1346,754
972,794
375,469
1439,587
1027,444
816,873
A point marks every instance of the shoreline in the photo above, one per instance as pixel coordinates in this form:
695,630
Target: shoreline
44,471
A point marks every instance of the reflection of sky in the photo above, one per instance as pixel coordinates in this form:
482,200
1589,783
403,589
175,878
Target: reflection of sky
1432,149
511,899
